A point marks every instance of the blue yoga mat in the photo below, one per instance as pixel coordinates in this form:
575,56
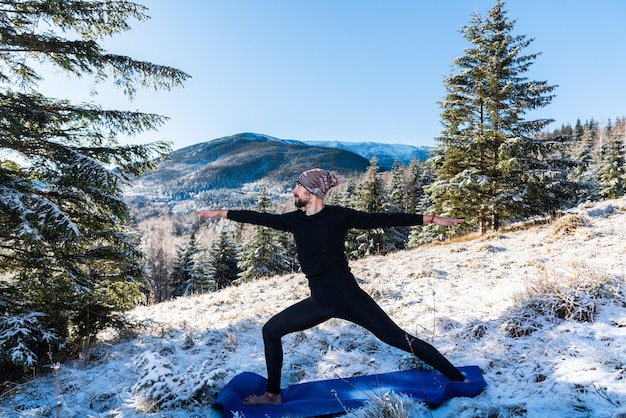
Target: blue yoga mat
335,396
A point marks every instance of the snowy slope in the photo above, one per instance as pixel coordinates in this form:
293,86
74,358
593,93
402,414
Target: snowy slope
464,296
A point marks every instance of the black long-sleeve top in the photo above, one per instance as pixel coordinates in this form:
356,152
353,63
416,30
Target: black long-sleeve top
320,237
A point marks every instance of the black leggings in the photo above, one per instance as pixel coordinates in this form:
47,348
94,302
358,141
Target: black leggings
345,300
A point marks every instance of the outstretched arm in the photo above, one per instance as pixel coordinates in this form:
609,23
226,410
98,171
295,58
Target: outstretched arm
249,216
440,220
212,213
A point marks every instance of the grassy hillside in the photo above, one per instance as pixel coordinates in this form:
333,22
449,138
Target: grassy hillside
540,308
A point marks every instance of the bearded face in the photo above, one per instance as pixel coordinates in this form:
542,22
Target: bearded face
302,196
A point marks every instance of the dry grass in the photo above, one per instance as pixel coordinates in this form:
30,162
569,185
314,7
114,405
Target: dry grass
571,297
568,224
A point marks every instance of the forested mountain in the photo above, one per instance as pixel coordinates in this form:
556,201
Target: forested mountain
218,169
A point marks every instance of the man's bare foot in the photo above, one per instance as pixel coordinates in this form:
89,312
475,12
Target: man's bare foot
265,399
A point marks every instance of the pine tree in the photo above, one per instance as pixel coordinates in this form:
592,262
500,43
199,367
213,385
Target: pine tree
397,192
263,255
578,130
612,165
68,251
181,270
414,187
371,197
201,279
288,242
371,190
346,197
419,177
223,264
398,202
204,270
490,164
584,173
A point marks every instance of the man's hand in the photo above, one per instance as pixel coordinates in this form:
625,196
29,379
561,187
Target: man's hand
212,213
439,220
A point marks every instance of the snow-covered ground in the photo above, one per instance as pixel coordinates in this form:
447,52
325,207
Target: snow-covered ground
468,297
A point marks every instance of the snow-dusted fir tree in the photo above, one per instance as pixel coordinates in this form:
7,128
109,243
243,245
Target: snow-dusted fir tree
612,165
398,202
288,242
223,260
419,176
201,279
202,270
491,165
346,196
263,255
397,192
582,151
183,263
415,182
67,250
371,196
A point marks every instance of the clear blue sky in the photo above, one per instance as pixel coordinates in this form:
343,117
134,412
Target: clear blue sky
352,70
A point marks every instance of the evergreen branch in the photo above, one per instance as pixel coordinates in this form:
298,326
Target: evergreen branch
89,19
129,72
81,57
34,116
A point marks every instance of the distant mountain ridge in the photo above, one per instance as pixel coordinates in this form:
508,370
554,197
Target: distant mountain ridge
385,153
217,170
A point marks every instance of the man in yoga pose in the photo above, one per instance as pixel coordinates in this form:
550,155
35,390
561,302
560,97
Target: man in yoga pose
319,231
